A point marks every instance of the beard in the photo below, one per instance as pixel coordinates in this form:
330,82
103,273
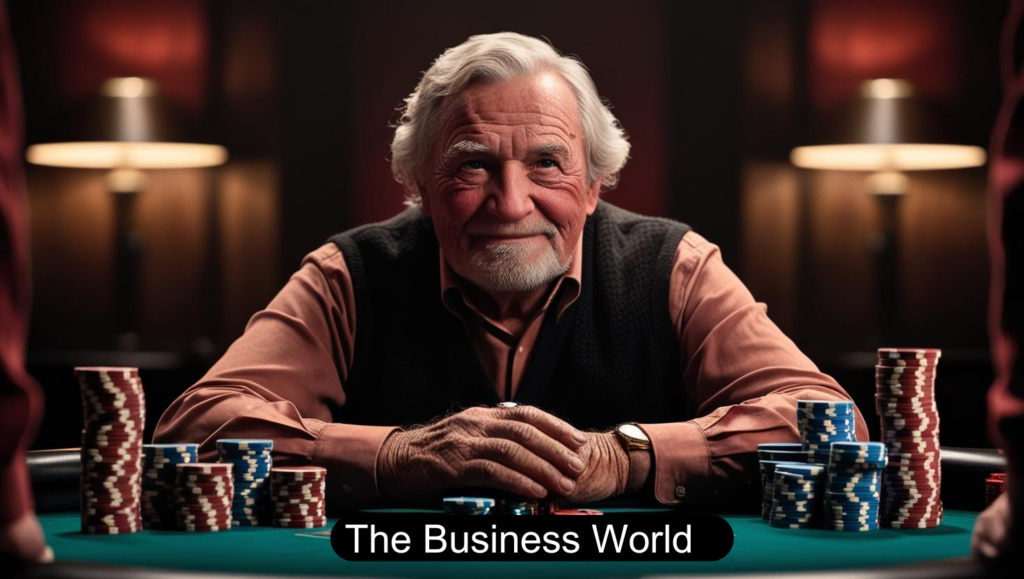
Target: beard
511,267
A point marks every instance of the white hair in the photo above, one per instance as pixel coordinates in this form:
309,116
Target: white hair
496,57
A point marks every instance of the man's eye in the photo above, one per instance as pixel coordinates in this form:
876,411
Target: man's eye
547,163
475,165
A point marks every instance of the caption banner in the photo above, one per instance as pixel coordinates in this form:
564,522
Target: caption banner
625,537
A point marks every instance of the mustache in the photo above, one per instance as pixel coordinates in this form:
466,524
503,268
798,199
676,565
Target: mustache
520,229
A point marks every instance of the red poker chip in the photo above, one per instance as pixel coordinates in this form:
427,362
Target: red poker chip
296,509
204,518
205,485
907,510
109,491
907,362
921,379
203,468
906,429
931,513
206,503
902,392
897,472
907,410
99,530
576,512
300,522
314,489
300,496
901,351
118,434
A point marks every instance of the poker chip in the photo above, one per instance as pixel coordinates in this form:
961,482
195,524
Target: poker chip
468,505
203,494
114,415
576,512
251,461
158,482
995,485
909,420
297,496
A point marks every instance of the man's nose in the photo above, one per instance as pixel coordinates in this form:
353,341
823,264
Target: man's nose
510,195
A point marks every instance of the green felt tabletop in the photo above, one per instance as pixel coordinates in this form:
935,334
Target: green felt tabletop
264,550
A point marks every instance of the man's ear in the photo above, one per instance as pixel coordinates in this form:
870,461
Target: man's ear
424,199
594,194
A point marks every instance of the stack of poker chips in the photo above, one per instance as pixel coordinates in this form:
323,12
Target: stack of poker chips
159,474
114,418
252,463
905,401
995,485
852,490
468,505
768,456
796,495
297,494
203,491
823,422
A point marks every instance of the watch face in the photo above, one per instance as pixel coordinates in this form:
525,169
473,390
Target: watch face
633,431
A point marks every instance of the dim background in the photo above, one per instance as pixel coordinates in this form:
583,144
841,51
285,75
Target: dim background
713,94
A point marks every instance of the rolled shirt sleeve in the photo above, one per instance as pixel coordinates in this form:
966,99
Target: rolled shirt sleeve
741,373
283,380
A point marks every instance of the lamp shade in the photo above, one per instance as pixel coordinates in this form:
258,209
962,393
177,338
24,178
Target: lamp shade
127,125
886,128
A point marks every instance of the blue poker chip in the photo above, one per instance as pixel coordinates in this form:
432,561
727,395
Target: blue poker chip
782,446
245,444
815,404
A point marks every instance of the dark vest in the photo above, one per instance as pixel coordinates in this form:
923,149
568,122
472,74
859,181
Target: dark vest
612,357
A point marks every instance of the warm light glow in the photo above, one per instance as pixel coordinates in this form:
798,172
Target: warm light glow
903,157
887,183
110,155
125,180
129,87
886,88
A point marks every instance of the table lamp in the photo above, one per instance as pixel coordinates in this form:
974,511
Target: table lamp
126,128
885,130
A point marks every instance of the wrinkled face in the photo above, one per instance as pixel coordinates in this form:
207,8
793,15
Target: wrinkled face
506,186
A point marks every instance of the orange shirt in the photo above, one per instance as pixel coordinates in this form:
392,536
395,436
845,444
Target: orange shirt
286,374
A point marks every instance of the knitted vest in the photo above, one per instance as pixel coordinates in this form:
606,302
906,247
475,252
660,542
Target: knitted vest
612,357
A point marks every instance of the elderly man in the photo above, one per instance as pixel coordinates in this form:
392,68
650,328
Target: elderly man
639,361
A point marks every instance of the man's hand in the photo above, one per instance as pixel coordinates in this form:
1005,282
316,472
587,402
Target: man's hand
521,450
22,540
609,471
993,537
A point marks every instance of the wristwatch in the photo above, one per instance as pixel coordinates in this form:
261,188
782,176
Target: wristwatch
632,437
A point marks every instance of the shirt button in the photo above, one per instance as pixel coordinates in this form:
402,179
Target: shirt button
346,488
680,491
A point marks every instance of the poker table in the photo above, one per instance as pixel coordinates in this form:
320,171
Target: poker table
265,551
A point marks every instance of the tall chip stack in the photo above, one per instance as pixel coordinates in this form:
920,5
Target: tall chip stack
823,422
204,491
159,474
298,496
852,491
251,461
114,418
905,401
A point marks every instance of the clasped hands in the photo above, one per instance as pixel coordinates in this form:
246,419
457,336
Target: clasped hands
520,450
